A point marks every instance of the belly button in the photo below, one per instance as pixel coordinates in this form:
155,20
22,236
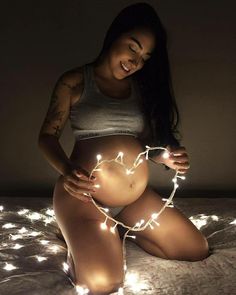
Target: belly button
132,184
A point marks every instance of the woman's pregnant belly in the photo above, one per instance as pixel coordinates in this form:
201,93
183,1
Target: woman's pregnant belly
117,188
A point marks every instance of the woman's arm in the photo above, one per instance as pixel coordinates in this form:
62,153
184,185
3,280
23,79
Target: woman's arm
54,122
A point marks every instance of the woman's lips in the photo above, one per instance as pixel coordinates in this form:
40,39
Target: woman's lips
123,68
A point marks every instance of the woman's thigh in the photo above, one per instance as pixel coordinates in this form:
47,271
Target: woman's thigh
97,254
176,237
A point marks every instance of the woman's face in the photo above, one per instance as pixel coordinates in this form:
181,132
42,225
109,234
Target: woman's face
130,51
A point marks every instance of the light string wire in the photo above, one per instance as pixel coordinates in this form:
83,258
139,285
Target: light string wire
141,225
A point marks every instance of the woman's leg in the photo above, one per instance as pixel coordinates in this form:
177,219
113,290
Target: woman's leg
175,238
96,254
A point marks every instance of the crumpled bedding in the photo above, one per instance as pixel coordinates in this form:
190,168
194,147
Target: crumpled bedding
32,257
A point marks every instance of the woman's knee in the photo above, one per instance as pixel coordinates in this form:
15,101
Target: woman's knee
102,288
197,252
101,281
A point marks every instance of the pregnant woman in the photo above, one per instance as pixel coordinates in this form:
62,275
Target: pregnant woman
121,101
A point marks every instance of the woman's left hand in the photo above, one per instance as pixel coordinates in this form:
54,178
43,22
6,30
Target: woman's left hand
178,159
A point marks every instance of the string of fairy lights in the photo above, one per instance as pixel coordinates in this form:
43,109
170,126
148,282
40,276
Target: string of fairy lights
49,217
140,225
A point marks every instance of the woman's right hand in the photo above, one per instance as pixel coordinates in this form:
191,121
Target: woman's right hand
77,183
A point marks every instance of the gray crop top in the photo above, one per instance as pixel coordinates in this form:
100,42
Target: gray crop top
97,115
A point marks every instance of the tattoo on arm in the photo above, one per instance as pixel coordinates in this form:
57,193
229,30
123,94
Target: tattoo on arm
54,115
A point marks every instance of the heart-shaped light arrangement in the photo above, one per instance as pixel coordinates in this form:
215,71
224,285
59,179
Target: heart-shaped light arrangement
141,225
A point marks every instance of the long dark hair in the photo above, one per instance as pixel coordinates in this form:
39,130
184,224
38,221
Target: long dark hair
154,79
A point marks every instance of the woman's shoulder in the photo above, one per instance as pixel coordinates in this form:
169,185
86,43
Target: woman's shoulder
73,76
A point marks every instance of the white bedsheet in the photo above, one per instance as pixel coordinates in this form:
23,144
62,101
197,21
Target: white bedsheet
38,241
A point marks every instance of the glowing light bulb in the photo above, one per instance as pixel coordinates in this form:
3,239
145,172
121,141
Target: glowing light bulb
54,248
154,216
214,217
132,237
103,225
131,278
181,177
17,246
1,208
112,229
9,225
120,291
81,290
34,233
48,220
105,209
97,185
44,242
23,211
50,212
41,258
22,230
99,157
9,267
165,155
65,266
34,216
15,237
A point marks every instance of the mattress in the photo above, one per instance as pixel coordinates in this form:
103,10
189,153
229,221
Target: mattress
33,258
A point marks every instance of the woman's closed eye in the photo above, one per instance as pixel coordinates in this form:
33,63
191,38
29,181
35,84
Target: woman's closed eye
133,50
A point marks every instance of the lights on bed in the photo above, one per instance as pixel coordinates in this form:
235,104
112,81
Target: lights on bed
81,290
47,216
17,246
22,230
40,258
54,248
23,211
65,267
9,225
233,222
201,219
133,280
44,242
9,267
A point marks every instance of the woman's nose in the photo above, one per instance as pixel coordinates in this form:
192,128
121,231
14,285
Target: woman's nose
135,61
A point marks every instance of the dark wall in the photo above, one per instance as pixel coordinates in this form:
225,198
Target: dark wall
40,40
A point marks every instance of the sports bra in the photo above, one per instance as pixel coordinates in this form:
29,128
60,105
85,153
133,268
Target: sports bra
97,115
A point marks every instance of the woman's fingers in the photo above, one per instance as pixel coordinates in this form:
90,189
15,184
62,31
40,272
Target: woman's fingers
182,171
75,194
184,165
178,150
181,158
79,188
80,182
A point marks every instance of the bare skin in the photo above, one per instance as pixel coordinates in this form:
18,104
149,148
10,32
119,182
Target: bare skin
96,255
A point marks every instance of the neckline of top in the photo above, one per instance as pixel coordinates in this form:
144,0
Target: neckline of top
110,97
